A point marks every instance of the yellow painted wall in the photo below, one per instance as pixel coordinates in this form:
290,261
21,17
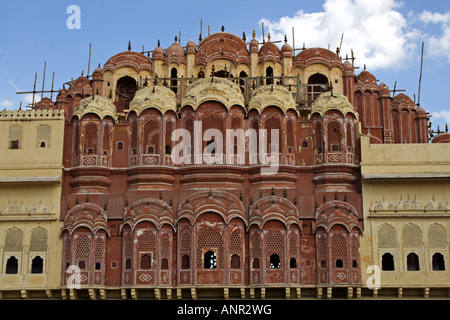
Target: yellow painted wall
406,188
30,193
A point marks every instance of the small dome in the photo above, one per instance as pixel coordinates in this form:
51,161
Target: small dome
384,89
421,111
175,53
366,76
286,51
158,53
45,104
131,59
254,46
98,70
269,52
317,56
190,47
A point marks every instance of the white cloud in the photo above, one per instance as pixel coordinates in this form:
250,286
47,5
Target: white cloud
438,45
443,114
378,34
6,104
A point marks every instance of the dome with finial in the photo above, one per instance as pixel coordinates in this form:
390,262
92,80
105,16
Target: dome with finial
254,45
135,60
312,56
222,45
191,47
269,52
175,53
286,49
158,53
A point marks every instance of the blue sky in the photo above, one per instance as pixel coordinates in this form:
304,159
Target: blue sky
386,35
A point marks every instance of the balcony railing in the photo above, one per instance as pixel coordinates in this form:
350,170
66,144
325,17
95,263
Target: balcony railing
303,94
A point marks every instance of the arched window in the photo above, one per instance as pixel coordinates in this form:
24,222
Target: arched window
43,133
438,262
174,81
255,264
98,266
37,265
318,83
339,263
210,260
81,265
90,138
235,261
164,264
12,265
15,137
387,262
269,75
126,89
185,262
146,262
128,264
151,137
274,261
334,136
412,262
293,263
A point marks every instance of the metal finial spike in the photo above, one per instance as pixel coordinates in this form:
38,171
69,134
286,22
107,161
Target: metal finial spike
253,34
176,39
268,36
285,39
243,36
159,43
129,45
223,28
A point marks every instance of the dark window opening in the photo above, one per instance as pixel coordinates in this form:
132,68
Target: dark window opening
119,145
42,145
126,89
387,262
168,149
82,265
211,146
185,264
255,263
293,263
98,266
335,147
275,262
14,144
323,264
37,265
354,264
174,81
269,75
146,262
150,150
90,151
438,262
339,263
128,264
305,144
412,262
12,265
235,261
210,261
164,264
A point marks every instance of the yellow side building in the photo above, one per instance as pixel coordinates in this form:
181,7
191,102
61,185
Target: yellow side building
406,203
30,191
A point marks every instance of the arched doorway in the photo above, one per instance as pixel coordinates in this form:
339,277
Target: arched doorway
125,91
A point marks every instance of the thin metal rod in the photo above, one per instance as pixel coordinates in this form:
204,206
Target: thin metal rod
43,80
89,62
420,77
